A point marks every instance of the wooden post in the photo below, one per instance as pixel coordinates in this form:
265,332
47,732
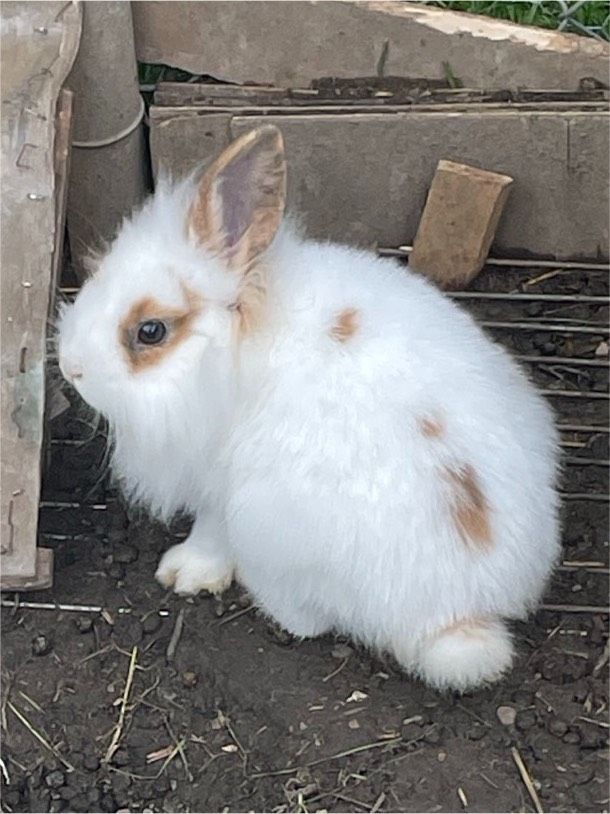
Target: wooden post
109,175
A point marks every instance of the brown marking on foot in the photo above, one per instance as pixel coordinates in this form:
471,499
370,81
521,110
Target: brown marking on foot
471,626
346,325
177,320
431,427
470,509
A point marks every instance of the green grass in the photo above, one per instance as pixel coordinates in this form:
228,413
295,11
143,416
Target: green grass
593,15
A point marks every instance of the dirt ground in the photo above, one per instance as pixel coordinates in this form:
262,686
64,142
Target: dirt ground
164,704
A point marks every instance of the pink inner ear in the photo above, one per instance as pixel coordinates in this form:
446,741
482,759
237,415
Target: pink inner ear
238,196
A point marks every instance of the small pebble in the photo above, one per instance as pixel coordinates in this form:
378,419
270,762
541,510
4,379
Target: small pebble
476,732
84,624
525,719
107,803
341,651
580,775
433,736
55,779
571,736
534,309
121,757
523,698
189,678
91,763
41,646
353,724
125,554
591,738
244,601
557,727
506,715
551,669
116,571
152,623
11,797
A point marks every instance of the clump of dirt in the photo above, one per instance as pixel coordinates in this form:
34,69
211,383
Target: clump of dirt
138,700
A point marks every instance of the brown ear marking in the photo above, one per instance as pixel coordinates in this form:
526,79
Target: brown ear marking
249,178
179,322
469,508
431,427
346,325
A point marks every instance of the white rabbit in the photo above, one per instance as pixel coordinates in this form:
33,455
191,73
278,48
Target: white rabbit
353,447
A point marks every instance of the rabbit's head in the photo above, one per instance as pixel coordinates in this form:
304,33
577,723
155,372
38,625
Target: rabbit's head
180,279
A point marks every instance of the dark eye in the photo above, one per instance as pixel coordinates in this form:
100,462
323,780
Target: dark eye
152,332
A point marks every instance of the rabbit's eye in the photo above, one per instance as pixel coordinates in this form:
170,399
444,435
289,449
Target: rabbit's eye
152,332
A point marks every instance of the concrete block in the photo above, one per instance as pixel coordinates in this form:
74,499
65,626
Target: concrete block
291,43
363,177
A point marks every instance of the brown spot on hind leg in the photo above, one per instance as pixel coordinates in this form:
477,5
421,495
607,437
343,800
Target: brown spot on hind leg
469,508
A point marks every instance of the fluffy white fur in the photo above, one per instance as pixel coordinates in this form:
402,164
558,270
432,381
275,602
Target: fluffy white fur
303,458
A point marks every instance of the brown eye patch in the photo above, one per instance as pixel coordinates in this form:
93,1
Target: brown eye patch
150,330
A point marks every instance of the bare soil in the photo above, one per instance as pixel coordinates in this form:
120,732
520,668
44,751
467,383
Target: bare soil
223,711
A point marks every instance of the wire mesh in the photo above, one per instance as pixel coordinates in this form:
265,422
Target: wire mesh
573,17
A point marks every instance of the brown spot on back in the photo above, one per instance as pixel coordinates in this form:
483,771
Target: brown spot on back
431,427
346,325
179,322
470,509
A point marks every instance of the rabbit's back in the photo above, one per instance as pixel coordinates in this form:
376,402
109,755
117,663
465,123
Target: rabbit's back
388,451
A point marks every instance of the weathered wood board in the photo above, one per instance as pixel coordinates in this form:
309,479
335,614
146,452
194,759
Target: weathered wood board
39,43
362,176
290,43
458,224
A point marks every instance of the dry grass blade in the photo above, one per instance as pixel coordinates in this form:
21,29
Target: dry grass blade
356,749
39,737
233,616
378,803
527,780
159,754
175,637
118,731
603,659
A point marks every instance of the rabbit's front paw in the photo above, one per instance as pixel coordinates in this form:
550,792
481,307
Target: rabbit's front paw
188,571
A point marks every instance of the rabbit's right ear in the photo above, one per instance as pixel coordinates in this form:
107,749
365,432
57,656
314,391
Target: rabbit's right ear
240,199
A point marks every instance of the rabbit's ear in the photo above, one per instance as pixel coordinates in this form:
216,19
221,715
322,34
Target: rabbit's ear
240,200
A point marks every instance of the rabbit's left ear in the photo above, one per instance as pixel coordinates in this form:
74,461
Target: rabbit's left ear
240,199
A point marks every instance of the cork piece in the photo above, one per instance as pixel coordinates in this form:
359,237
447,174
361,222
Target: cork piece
458,223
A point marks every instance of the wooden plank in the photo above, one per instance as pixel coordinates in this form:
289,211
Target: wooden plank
39,43
458,223
392,91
